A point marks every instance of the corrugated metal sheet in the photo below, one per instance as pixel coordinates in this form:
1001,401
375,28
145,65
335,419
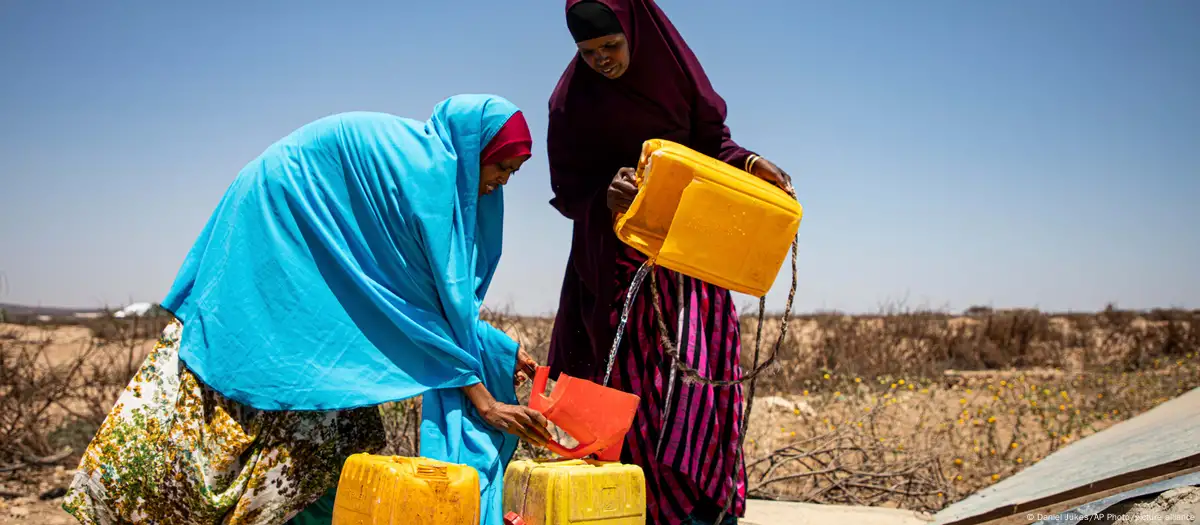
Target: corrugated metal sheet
1082,513
1166,433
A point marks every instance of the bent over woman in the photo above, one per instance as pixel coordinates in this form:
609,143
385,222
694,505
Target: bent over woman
344,267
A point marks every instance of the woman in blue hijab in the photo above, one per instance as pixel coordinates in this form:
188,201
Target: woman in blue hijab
345,267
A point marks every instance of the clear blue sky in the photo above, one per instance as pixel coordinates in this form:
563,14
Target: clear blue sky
947,153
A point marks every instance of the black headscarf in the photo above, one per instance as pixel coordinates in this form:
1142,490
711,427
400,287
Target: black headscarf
588,20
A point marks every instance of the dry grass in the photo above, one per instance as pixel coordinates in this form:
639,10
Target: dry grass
58,383
902,409
974,431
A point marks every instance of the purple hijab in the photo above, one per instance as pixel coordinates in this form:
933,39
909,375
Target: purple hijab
597,126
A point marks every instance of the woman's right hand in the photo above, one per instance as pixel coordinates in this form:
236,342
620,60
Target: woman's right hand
523,422
622,190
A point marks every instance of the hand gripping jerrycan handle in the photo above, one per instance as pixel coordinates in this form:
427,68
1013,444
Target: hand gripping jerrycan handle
596,416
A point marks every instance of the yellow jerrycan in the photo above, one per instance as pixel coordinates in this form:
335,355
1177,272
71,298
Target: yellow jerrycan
574,492
394,490
706,219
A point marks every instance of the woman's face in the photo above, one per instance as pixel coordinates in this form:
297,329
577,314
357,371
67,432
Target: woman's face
492,176
607,55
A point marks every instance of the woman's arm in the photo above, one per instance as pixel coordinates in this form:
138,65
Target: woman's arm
521,421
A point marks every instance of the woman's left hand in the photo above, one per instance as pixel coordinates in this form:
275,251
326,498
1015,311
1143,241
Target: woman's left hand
768,171
526,367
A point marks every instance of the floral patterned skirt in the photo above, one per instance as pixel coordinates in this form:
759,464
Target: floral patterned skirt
174,451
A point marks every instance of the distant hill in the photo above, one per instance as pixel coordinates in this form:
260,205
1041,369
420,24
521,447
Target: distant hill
53,311
23,311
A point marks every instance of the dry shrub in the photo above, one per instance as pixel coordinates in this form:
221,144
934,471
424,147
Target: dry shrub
977,427
849,466
57,390
402,423
941,398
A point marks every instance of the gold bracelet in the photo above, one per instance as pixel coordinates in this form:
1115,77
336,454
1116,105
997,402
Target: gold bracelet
750,163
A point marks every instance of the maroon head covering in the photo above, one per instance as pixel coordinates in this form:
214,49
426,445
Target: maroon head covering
597,126
513,140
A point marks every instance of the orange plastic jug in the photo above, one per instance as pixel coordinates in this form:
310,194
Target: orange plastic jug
596,416
706,219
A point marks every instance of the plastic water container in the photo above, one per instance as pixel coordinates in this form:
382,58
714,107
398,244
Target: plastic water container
597,417
706,219
574,492
390,490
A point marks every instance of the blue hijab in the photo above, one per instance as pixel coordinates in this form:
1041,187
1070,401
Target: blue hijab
346,266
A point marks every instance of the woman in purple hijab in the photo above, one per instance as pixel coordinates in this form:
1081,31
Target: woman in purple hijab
635,79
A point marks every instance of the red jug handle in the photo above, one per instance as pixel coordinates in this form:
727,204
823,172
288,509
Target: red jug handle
583,450
537,399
